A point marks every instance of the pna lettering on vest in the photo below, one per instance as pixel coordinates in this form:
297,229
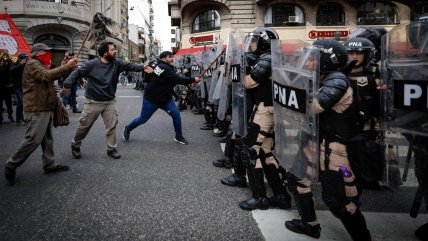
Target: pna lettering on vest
290,97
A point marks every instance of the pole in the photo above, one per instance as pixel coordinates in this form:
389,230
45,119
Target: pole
209,66
84,41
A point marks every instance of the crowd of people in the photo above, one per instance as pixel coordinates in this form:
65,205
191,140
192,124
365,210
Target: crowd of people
348,104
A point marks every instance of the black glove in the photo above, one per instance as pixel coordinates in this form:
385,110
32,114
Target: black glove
248,70
251,58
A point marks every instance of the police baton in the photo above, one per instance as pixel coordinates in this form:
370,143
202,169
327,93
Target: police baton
209,66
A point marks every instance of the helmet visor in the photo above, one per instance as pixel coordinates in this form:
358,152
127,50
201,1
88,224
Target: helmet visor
251,43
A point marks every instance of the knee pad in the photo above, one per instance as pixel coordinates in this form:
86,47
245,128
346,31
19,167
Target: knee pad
333,192
253,131
249,157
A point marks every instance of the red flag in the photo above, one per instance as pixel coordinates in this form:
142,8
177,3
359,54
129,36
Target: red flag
11,39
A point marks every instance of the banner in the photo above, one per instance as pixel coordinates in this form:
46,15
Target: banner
11,39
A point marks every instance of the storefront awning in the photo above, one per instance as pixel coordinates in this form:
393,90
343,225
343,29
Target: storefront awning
182,52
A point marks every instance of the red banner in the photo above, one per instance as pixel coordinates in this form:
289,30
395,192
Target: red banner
11,39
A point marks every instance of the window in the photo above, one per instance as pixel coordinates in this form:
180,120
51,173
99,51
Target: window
284,15
419,8
172,40
206,21
330,14
376,13
172,31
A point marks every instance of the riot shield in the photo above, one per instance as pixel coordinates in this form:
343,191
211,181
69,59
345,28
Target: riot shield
406,63
206,79
215,74
295,76
223,84
237,73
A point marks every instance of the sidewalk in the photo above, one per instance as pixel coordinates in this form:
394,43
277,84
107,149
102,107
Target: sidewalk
383,226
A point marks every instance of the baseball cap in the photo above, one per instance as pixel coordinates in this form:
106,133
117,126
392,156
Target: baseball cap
40,47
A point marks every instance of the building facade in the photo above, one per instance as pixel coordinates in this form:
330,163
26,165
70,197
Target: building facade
204,22
63,24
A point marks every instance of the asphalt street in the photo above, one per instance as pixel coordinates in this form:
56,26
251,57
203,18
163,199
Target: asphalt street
158,190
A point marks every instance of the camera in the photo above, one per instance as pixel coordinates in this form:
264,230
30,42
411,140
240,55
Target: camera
71,54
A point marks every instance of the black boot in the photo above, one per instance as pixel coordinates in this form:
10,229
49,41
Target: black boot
280,197
208,121
422,232
306,208
226,160
238,179
258,189
235,180
298,226
356,226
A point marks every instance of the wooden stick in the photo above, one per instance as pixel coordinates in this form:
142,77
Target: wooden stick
209,66
84,41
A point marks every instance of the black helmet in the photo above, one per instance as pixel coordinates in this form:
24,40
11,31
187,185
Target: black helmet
334,55
262,36
374,34
361,45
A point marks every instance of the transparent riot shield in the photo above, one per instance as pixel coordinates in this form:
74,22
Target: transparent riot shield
222,89
237,74
216,73
406,80
405,64
295,76
206,78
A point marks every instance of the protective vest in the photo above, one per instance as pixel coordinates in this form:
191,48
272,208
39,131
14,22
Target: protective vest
339,127
261,73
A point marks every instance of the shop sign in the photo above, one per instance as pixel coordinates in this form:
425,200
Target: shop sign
201,39
327,34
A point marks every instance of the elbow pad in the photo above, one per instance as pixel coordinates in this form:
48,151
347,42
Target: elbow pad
262,70
332,92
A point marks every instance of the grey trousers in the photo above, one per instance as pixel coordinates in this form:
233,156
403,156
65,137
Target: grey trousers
39,132
91,111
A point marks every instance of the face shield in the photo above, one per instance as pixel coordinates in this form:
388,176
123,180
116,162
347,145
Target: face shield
251,43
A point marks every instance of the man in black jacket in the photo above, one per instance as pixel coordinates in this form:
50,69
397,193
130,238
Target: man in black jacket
158,94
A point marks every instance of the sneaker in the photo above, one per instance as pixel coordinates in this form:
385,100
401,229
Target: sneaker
9,173
126,133
114,154
56,168
75,151
181,140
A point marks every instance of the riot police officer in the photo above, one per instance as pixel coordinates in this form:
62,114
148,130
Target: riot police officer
371,159
336,103
256,153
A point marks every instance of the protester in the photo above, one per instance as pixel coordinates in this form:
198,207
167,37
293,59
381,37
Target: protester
39,103
6,87
70,98
158,93
16,71
102,78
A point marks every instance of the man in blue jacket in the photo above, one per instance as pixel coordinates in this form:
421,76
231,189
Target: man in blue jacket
158,94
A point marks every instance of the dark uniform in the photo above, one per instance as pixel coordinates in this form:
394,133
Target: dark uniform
257,156
338,111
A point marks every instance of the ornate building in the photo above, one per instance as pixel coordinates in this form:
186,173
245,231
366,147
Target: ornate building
63,24
204,22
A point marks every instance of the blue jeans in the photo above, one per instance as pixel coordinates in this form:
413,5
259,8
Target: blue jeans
147,110
70,98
